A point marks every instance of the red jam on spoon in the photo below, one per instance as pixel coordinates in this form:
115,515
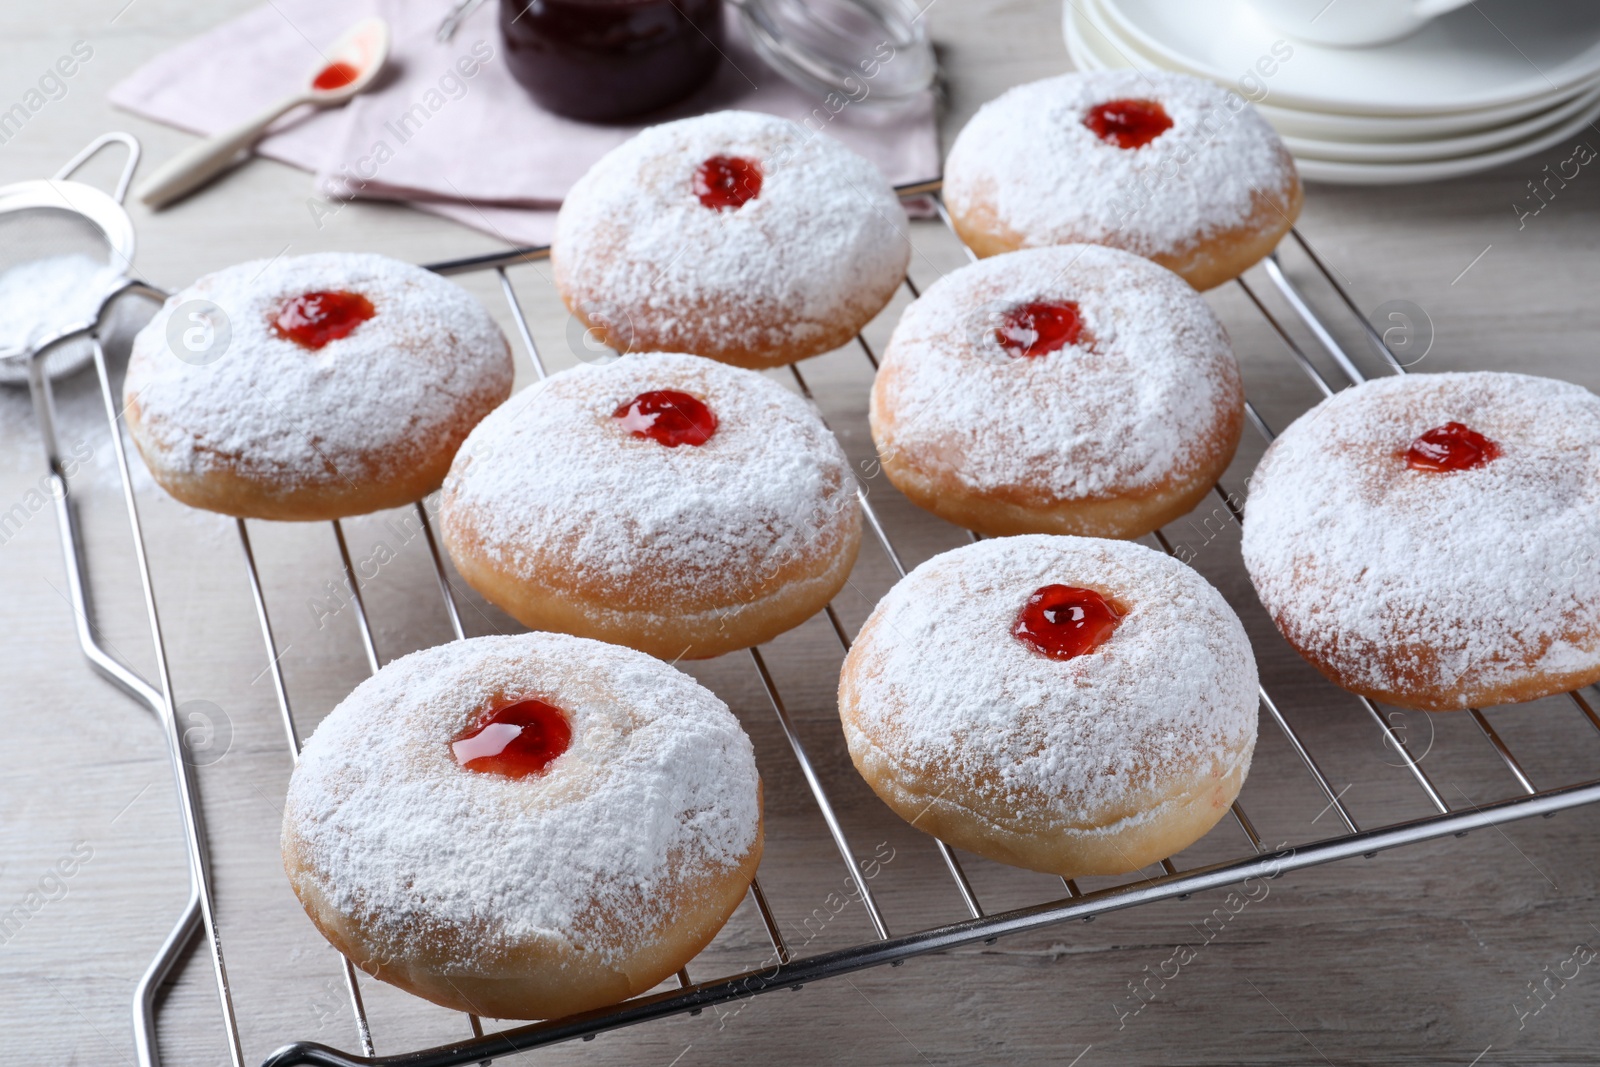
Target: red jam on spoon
1128,123
311,320
335,76
1063,621
726,183
668,417
1039,329
1451,447
519,740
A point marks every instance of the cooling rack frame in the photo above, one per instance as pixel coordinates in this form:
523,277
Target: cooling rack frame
784,971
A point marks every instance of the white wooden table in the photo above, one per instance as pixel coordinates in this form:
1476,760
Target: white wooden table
1418,956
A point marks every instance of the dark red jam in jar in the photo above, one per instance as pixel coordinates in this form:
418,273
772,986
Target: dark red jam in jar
1063,621
668,417
311,320
518,740
1039,329
605,60
1451,447
1128,123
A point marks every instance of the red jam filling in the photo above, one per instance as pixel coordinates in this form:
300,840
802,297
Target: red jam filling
1451,447
1128,123
725,183
335,76
518,740
1063,621
668,417
1039,329
311,320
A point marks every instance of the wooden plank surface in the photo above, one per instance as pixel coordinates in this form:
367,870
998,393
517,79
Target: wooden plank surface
1421,956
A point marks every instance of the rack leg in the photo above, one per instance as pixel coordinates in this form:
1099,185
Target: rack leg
145,1043
188,793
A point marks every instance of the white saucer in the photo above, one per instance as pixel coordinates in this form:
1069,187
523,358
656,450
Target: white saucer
1100,48
1368,129
1438,170
1490,54
1102,36
1329,161
1442,147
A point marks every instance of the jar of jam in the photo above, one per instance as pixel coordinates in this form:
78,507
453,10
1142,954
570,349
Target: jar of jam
606,60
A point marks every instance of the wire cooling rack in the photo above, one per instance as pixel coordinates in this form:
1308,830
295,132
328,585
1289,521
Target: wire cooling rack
785,970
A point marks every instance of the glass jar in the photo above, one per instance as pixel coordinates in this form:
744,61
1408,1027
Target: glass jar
608,60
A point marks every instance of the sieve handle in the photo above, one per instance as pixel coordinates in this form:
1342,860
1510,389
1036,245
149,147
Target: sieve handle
198,164
126,140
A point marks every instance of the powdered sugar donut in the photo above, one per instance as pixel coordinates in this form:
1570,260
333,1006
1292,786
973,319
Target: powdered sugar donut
1429,540
1077,389
662,501
1169,167
1064,704
524,827
735,235
312,387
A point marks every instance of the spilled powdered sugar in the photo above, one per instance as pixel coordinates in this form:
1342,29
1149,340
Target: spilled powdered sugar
1139,400
1051,179
362,404
825,234
552,476
658,789
1447,577
941,680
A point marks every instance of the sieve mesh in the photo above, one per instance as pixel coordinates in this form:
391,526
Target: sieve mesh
56,270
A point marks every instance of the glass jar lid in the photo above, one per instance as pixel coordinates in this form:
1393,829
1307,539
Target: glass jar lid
865,50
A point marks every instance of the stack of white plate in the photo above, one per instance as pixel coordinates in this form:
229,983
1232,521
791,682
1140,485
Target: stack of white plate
1482,86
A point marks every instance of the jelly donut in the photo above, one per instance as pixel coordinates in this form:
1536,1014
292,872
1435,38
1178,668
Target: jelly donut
662,501
1065,704
1429,540
312,387
1169,167
524,827
1076,390
734,235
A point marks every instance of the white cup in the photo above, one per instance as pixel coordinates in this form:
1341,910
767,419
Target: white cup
1352,23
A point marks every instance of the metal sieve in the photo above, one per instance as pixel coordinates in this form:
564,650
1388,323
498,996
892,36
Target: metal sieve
66,249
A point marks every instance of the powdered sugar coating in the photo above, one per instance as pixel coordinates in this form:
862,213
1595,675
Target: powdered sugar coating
940,680
1401,578
553,479
1142,398
1052,180
657,790
795,271
361,407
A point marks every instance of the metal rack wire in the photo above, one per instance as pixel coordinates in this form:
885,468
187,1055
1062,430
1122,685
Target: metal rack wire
786,971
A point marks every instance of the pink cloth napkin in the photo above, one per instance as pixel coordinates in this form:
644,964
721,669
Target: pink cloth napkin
447,129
